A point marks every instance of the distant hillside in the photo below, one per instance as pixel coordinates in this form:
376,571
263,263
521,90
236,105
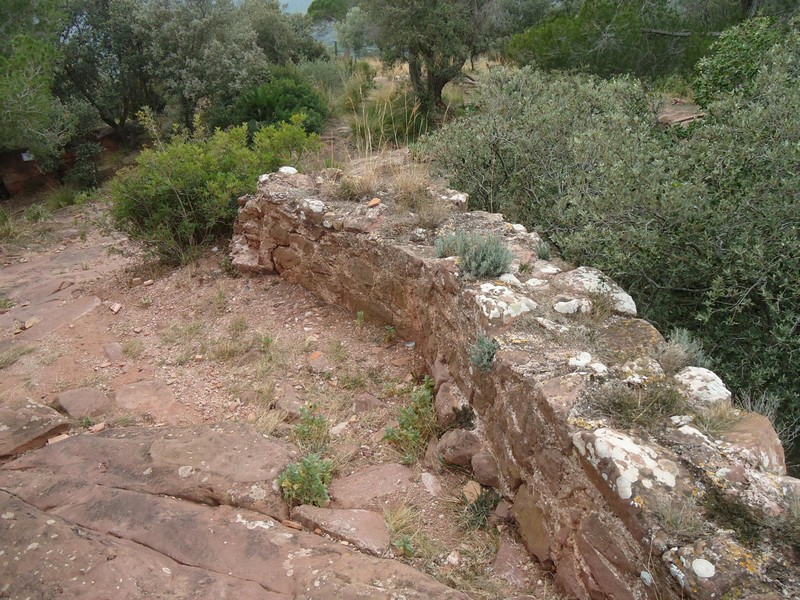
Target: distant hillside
296,6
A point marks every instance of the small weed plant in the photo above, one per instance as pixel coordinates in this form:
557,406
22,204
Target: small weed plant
312,432
543,250
481,256
476,514
306,481
482,352
416,424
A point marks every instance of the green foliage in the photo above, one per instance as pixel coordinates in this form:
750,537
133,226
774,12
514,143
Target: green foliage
607,37
543,250
312,432
699,225
481,353
353,32
83,174
182,194
481,256
105,62
404,545
306,481
329,10
476,514
433,37
278,100
416,424
735,59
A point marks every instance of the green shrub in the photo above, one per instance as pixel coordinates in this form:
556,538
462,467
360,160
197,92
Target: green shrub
735,58
182,194
35,213
700,227
306,481
416,424
312,432
482,352
278,100
83,174
481,256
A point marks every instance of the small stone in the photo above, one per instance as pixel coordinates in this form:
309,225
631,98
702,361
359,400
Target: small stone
292,524
431,483
471,491
198,358
517,228
510,279
374,202
136,281
58,438
148,283
115,308
703,569
32,322
338,430
105,365
581,360
287,170
454,558
646,578
98,427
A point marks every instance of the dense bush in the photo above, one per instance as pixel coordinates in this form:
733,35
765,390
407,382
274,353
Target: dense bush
277,101
182,194
392,116
735,59
702,226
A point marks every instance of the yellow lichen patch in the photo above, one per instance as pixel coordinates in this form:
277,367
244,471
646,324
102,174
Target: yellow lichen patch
590,424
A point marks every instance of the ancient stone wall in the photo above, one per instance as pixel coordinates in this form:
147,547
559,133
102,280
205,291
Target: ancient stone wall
589,500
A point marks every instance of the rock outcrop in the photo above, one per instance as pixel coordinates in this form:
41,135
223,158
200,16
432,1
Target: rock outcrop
595,501
176,513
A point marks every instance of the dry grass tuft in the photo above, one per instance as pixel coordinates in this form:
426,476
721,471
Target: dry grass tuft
718,418
9,357
679,518
644,407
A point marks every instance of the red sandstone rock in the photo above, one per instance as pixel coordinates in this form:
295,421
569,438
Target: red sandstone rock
364,529
458,446
25,425
83,402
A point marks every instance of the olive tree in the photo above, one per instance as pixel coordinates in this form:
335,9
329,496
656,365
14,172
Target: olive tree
435,37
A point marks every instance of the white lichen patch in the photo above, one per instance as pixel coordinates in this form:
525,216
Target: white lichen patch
257,493
501,305
630,462
593,281
268,524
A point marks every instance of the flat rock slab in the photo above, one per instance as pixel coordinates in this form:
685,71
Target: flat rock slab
364,529
25,425
221,464
53,315
365,489
83,402
116,541
149,397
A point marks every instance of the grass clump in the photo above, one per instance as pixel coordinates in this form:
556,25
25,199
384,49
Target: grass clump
6,304
416,424
36,213
306,481
682,350
718,418
405,532
312,432
481,256
133,348
680,519
482,352
543,250
9,357
644,406
476,514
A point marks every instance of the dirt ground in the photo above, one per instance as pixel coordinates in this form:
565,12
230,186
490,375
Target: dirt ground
219,347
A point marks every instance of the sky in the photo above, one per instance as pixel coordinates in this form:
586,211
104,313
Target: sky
296,5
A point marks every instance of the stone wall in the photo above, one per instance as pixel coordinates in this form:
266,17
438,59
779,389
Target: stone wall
592,503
